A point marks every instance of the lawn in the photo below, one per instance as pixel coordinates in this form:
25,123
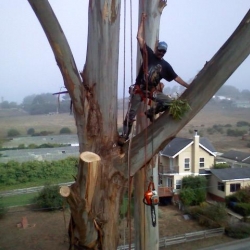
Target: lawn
18,200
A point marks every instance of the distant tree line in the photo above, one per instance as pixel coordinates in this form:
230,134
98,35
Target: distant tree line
46,103
41,104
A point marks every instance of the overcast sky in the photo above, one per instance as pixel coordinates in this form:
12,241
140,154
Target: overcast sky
194,30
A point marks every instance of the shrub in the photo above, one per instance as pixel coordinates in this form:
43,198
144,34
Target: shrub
13,133
210,131
187,196
198,185
236,132
65,130
31,131
242,124
238,231
210,215
242,209
21,146
221,165
49,198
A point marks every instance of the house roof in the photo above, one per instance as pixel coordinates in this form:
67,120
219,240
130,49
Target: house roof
237,156
178,144
231,173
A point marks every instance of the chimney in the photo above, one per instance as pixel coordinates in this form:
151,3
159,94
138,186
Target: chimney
196,148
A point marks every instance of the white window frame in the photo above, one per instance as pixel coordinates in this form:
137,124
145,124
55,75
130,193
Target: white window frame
221,186
178,184
202,162
235,186
186,163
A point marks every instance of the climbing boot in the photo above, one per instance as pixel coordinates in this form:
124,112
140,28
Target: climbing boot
150,113
124,137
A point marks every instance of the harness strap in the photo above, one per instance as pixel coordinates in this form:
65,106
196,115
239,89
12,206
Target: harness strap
143,93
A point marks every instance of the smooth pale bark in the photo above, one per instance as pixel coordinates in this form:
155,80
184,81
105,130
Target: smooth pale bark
95,226
94,208
146,236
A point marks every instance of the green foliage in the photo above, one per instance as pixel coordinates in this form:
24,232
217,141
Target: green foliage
43,133
13,172
210,215
236,132
31,131
32,146
218,128
3,208
221,165
178,107
49,198
242,209
238,231
65,130
187,196
240,201
242,124
13,133
198,185
210,131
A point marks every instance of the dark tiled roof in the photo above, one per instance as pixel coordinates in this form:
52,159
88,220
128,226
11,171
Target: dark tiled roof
207,144
178,144
237,156
175,146
231,173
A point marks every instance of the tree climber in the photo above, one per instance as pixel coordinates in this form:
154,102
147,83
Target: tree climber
148,87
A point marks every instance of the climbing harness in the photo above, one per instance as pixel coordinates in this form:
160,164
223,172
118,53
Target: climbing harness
151,199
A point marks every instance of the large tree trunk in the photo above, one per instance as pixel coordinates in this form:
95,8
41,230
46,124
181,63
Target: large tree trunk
146,236
96,195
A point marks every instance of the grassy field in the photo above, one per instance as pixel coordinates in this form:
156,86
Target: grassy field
50,229
52,123
18,200
206,118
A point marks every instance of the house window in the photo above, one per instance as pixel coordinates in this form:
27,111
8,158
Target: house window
187,164
202,162
221,186
234,187
178,184
169,182
160,181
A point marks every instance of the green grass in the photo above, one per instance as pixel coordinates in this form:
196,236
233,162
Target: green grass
36,183
18,200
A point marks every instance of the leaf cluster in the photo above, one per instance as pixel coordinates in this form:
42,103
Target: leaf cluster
178,108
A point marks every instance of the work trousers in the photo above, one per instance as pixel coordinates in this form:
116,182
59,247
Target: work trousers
158,97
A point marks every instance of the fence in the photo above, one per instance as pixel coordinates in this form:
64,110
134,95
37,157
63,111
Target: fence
177,239
28,190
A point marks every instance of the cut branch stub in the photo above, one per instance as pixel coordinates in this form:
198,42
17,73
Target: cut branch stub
64,191
92,160
89,156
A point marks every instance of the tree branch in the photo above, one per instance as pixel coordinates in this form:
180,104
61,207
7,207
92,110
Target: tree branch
214,74
61,50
